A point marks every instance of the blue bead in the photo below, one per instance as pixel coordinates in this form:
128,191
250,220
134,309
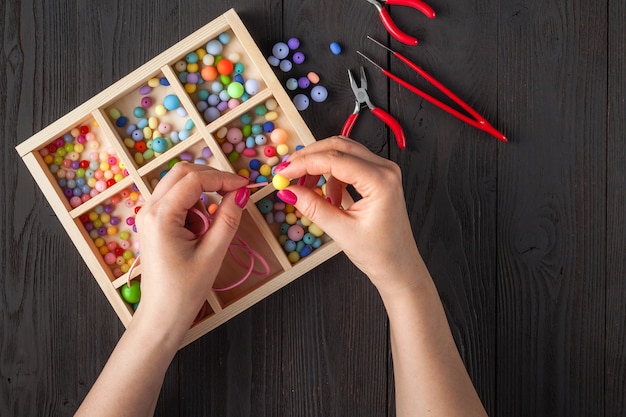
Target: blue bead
192,57
319,94
137,135
164,81
250,142
141,123
255,164
306,251
80,182
183,77
171,102
202,106
120,122
162,174
290,246
257,129
285,65
298,147
280,50
273,61
299,246
301,102
308,238
62,182
130,129
335,48
260,140
69,138
85,189
189,124
224,38
317,243
265,205
261,178
268,127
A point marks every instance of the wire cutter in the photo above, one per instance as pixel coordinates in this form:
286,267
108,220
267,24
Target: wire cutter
363,98
391,27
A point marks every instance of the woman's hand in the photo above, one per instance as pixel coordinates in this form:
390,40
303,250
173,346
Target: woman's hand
374,232
179,266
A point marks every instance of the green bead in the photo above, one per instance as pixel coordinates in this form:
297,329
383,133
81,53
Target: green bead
131,294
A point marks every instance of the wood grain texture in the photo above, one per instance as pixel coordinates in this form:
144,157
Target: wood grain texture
615,310
552,209
525,240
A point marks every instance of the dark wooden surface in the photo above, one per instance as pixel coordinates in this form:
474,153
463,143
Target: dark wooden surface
525,240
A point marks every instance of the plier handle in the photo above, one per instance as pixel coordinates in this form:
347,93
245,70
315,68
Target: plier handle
390,25
360,92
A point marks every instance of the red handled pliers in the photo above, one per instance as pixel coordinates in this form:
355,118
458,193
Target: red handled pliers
391,27
363,98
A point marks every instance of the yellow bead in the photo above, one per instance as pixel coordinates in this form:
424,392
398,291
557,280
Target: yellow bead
111,230
282,149
99,242
91,182
271,116
282,239
129,143
154,82
190,88
105,217
79,147
153,122
265,170
201,52
305,221
293,257
244,172
160,110
291,218
48,159
315,230
103,250
192,68
289,208
134,196
147,133
280,182
93,216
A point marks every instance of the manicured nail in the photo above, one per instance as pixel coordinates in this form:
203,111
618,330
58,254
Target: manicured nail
242,197
287,196
243,176
302,180
281,166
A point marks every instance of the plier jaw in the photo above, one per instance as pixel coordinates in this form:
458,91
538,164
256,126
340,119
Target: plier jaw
360,93
390,25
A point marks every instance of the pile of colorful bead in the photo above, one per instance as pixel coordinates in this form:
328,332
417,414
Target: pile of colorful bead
153,131
215,78
258,140
298,236
280,59
111,226
82,166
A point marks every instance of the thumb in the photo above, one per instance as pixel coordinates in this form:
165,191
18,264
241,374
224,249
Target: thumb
314,207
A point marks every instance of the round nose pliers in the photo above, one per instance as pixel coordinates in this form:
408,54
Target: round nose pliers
360,92
390,25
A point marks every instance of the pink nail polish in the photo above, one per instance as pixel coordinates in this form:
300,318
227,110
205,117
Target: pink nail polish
242,197
287,196
281,166
301,180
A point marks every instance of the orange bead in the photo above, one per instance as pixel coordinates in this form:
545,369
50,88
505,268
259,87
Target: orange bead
225,67
209,73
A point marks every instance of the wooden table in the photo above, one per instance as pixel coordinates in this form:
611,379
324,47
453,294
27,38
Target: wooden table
525,240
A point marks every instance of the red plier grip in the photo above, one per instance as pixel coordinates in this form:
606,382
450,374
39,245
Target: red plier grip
393,124
385,117
391,26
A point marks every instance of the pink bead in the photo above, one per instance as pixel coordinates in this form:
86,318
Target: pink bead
165,128
70,175
129,203
109,258
44,152
81,139
146,102
124,244
93,156
85,197
98,174
295,233
66,163
249,152
232,103
93,192
101,186
130,221
112,161
111,245
234,135
75,202
227,147
240,147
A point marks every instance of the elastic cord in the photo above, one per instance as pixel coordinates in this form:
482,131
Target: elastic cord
238,243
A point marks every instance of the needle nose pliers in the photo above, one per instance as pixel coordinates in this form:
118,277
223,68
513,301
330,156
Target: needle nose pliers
391,27
360,92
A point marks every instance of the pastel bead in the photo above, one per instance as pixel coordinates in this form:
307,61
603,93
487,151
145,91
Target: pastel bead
319,94
335,48
293,43
298,58
279,182
285,65
313,77
279,136
280,50
301,102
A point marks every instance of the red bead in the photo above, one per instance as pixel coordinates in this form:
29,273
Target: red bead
84,218
137,208
119,251
84,164
84,130
52,148
269,151
110,183
140,146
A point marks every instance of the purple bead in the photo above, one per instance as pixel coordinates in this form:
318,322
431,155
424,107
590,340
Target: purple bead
205,199
102,231
75,164
114,220
89,226
298,58
134,187
293,43
68,192
222,106
145,90
206,152
108,208
192,78
303,82
186,156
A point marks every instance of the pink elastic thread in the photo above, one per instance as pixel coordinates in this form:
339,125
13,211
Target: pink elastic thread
240,244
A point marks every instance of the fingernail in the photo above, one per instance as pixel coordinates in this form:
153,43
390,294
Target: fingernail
281,166
301,180
243,176
287,196
242,197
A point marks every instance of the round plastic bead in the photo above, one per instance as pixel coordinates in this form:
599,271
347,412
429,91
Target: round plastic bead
285,65
252,86
159,145
291,84
319,94
225,67
280,50
301,102
298,58
265,205
235,90
335,48
224,38
171,102
214,47
273,61
131,294
279,136
279,182
293,43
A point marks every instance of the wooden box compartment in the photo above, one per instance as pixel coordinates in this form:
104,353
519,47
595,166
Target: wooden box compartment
100,219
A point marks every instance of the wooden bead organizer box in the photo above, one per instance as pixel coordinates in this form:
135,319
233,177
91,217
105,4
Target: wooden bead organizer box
93,147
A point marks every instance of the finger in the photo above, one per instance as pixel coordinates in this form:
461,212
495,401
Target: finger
341,144
315,208
347,168
334,191
224,225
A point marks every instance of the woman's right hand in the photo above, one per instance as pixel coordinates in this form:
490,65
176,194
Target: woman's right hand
374,232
